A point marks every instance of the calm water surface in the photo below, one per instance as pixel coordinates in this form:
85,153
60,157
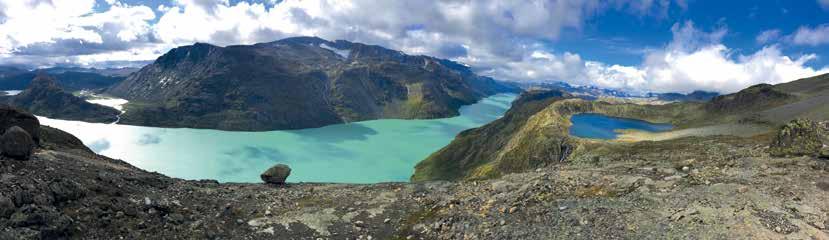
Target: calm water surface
361,152
591,125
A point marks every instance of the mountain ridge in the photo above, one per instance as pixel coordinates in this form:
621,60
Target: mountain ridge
295,83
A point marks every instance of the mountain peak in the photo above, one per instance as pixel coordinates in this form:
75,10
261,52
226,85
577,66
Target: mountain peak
43,81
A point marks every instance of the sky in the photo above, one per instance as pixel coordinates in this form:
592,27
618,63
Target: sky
645,45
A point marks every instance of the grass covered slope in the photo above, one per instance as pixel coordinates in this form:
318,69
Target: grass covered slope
534,133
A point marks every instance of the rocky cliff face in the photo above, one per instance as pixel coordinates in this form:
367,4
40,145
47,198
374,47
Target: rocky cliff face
295,83
45,98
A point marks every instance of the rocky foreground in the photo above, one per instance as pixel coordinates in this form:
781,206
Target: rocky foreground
698,188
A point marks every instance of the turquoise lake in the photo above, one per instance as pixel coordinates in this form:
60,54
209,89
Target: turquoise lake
598,126
361,152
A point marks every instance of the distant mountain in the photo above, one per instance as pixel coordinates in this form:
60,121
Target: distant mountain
695,96
45,98
586,92
111,72
72,79
294,83
593,92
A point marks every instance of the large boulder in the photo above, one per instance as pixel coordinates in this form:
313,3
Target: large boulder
17,143
276,174
10,116
6,207
800,137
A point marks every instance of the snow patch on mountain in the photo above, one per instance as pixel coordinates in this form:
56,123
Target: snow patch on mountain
342,52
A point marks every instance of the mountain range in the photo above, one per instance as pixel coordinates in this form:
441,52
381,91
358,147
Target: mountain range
593,92
70,79
294,83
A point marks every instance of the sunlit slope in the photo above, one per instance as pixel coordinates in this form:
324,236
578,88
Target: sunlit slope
534,132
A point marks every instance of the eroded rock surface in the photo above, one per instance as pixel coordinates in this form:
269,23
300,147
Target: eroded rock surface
798,138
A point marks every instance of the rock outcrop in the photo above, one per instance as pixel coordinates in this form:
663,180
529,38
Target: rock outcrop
17,143
10,116
276,174
800,137
45,98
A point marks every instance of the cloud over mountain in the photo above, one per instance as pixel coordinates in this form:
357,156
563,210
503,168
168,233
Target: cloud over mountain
503,39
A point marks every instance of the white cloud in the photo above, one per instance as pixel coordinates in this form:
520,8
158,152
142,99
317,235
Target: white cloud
811,36
824,4
56,31
474,29
694,60
502,39
768,36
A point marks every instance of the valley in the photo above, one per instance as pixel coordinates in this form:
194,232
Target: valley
334,153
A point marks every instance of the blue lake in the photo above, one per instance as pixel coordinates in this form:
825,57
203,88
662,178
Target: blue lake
598,126
360,152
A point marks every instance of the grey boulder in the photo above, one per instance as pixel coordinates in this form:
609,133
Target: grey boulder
17,143
276,174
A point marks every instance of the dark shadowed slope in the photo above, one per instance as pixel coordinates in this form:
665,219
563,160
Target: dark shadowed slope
45,98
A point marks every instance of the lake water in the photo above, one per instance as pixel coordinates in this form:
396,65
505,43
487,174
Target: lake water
591,125
360,152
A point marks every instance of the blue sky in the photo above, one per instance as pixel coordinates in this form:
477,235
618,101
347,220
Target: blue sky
744,20
644,45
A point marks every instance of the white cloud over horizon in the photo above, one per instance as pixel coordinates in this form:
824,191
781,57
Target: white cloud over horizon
499,39
694,60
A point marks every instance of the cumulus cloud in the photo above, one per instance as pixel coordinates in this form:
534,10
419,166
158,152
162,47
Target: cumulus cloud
440,28
503,39
811,36
694,60
40,31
